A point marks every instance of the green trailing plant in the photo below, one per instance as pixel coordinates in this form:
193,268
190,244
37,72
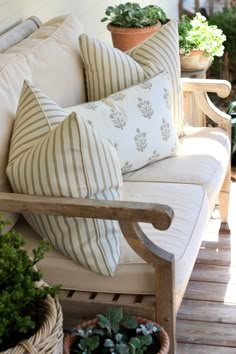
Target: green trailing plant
226,21
19,298
117,334
197,33
133,15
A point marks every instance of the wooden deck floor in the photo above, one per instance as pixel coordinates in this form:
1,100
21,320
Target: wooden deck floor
207,318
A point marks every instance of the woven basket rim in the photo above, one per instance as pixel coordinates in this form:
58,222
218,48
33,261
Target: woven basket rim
49,335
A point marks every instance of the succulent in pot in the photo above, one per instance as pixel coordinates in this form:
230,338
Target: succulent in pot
130,23
199,39
118,334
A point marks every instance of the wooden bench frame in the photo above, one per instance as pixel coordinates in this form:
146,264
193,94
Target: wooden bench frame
162,306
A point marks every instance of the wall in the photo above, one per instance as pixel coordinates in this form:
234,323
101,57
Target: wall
13,11
89,12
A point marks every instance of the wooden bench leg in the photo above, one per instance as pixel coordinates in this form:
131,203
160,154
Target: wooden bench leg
224,203
165,301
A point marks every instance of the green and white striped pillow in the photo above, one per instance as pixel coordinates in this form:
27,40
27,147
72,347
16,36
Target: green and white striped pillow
109,70
70,160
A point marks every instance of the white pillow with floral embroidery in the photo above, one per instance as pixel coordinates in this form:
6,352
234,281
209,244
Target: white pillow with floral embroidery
137,121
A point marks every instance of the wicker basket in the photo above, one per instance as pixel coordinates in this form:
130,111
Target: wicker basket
163,336
49,337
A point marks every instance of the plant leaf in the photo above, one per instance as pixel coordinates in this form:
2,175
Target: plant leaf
129,322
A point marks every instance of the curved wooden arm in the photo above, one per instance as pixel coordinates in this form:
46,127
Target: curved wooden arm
221,87
221,118
199,88
143,246
159,215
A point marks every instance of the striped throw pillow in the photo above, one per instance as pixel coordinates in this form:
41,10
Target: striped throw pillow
109,70
70,160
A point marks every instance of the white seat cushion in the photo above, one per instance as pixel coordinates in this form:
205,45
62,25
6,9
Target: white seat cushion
133,275
202,160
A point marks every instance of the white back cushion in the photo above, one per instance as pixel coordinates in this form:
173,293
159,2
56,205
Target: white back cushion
50,58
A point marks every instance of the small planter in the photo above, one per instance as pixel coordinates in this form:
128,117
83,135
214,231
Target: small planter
69,340
49,337
195,60
125,38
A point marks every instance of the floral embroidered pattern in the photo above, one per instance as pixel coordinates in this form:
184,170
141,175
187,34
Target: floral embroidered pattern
147,85
127,167
90,105
114,144
118,119
145,108
167,98
118,96
165,130
90,123
174,149
154,157
140,140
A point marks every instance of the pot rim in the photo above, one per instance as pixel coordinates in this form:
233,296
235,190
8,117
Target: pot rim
146,29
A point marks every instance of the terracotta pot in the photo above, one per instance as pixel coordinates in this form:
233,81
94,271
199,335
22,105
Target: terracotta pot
196,60
126,38
163,336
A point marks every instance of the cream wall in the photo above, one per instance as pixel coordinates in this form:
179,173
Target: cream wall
89,12
13,11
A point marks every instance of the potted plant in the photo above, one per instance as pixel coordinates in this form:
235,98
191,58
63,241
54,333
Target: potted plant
118,334
31,319
199,42
225,67
130,23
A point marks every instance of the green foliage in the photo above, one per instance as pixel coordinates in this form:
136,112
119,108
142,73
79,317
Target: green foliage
18,294
118,334
226,21
133,15
196,33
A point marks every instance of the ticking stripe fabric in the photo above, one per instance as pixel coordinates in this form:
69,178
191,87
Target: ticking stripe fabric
109,70
161,52
69,160
36,115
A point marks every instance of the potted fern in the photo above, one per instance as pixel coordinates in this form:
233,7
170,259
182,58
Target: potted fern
130,23
31,318
199,42
117,333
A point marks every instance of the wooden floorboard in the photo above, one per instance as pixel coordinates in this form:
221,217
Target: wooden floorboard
184,348
206,322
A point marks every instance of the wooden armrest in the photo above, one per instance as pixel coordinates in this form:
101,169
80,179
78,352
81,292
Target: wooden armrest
159,215
200,88
221,87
